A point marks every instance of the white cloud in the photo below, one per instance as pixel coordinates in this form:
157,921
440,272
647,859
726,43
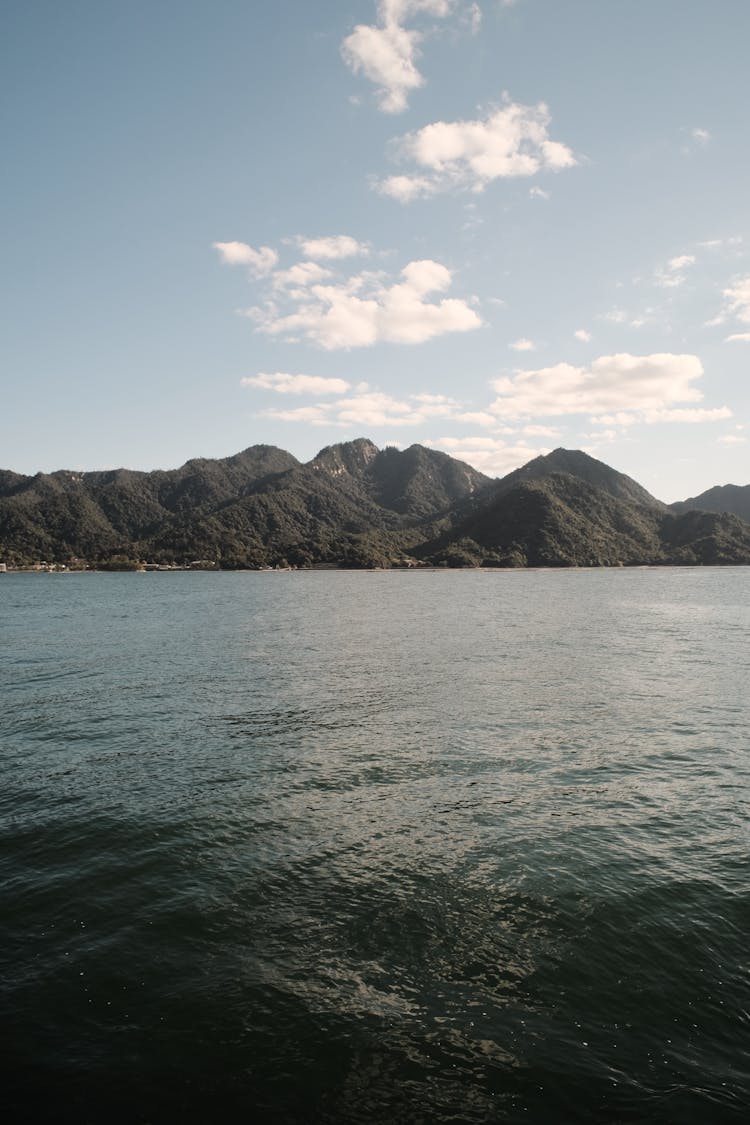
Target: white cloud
363,310
300,276
738,299
523,345
474,18
478,418
612,383
697,139
365,407
312,415
620,418
720,243
582,335
689,415
673,274
434,400
492,456
386,53
286,384
732,439
616,316
334,247
601,437
737,337
680,262
407,188
468,155
260,262
538,193
374,408
540,431
396,11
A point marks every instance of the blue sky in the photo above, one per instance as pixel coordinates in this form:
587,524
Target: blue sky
491,227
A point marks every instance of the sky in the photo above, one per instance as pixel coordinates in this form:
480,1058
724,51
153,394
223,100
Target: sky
492,227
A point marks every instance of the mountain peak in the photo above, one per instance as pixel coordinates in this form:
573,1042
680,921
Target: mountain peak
576,463
351,457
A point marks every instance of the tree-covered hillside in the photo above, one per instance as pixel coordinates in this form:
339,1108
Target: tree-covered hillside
356,505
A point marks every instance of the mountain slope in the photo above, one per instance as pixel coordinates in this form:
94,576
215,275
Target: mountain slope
556,520
733,498
578,464
356,505
561,520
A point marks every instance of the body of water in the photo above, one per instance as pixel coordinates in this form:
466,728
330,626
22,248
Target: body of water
375,847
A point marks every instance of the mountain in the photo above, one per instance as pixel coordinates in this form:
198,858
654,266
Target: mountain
732,498
356,505
66,514
559,520
563,520
585,468
258,507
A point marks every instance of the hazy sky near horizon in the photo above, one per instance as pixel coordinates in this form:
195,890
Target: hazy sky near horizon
492,227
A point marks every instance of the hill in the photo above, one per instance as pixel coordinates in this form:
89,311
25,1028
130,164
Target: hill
731,498
260,507
576,463
356,505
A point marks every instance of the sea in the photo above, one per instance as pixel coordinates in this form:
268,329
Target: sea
375,847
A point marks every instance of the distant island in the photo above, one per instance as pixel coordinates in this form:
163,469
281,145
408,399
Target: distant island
354,505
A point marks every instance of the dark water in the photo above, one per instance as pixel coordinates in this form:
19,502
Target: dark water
354,847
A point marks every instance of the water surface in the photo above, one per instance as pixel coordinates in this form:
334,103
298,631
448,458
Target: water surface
376,847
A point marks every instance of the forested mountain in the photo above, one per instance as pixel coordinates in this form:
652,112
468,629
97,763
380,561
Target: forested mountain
585,468
732,498
357,505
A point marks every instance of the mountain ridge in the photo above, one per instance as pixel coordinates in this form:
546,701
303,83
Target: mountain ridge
354,504
734,498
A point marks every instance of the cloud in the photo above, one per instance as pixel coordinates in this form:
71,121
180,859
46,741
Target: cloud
365,407
261,261
732,439
364,310
737,337
332,248
612,383
622,316
406,188
312,415
538,193
474,19
478,418
673,274
492,456
300,276
720,243
738,299
540,431
468,155
689,415
600,437
523,345
620,418
681,262
296,384
697,139
616,316
583,335
386,53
